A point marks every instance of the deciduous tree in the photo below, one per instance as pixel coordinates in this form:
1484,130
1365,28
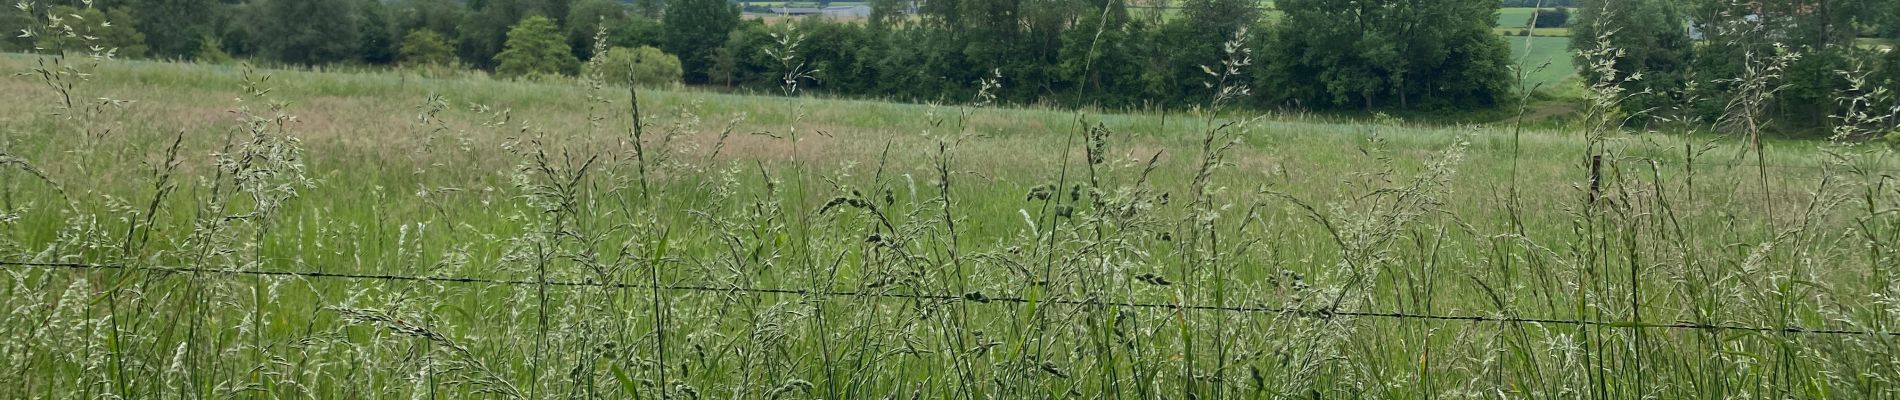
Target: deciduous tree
306,31
586,18
1383,53
425,47
175,28
694,28
535,48
645,66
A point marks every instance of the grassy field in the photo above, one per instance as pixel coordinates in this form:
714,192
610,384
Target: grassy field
923,251
1512,20
1515,17
1545,61
1539,32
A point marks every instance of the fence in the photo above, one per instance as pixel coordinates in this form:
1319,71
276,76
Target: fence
1307,313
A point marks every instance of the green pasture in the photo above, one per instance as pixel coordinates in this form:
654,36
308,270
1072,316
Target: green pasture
760,247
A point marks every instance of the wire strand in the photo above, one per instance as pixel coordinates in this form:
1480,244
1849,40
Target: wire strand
1308,313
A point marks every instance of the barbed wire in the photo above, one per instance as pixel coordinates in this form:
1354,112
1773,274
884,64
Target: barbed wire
973,297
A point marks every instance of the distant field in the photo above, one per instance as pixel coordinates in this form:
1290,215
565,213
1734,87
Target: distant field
1543,32
770,19
797,3
1515,18
1533,53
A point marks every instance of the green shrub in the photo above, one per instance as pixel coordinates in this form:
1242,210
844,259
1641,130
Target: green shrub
211,51
425,47
646,66
535,47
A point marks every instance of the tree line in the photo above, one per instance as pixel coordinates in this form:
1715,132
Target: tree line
1349,55
1308,54
1686,62
1321,54
464,33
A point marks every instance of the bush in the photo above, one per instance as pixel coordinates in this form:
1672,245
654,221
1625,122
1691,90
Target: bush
535,47
646,65
211,51
425,47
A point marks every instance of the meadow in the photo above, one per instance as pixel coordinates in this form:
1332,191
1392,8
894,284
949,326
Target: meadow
1513,21
1515,17
192,231
1545,62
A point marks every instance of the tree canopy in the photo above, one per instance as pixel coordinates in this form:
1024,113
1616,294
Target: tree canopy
307,31
83,29
694,28
1364,52
644,66
425,47
535,47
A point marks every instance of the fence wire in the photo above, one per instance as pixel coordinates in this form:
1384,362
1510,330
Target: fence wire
736,290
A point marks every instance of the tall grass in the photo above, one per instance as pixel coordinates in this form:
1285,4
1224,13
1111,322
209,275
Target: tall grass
635,246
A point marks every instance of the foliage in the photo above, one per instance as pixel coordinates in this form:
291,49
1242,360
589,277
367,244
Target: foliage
211,51
1184,47
1650,42
1372,54
586,18
694,28
441,16
487,23
1101,56
1888,68
306,32
887,14
1694,81
535,48
741,60
176,28
1313,54
636,31
376,29
492,245
645,66
425,47
1552,18
113,30
649,8
12,23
